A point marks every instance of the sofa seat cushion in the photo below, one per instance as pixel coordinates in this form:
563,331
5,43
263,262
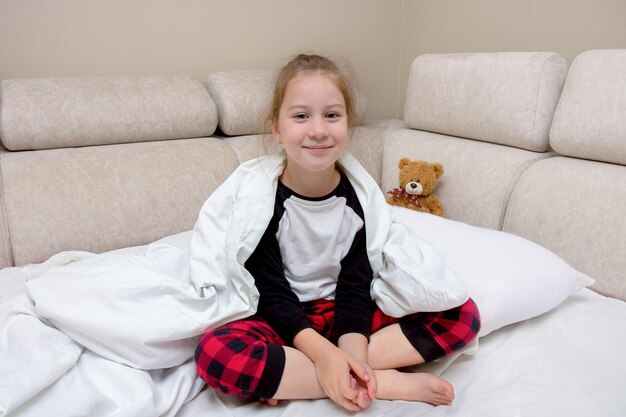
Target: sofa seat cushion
107,197
575,208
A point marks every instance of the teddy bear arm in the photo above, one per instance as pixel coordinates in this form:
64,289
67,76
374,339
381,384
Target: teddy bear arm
395,201
434,205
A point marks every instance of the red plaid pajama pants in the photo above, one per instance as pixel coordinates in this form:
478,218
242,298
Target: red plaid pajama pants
246,357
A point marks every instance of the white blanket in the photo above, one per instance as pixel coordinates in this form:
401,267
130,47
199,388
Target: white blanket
105,335
101,335
114,334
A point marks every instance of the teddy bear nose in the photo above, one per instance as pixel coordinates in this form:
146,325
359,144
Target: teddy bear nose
413,188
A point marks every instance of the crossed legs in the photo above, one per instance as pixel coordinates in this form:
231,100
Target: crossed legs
248,358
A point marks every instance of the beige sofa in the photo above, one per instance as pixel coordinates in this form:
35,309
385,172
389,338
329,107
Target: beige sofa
529,147
97,164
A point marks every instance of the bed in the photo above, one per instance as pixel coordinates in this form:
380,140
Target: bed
103,179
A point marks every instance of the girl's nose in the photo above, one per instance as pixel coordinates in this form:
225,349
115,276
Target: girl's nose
318,129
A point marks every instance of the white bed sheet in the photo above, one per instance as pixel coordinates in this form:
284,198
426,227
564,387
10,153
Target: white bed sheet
568,362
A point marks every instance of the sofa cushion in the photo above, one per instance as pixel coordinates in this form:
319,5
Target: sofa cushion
101,198
244,99
6,258
80,111
506,98
478,176
575,208
590,120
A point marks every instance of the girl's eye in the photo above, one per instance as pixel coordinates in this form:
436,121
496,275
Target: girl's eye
333,115
300,116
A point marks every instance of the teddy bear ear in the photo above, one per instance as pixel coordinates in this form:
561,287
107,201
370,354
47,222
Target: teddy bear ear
438,169
403,162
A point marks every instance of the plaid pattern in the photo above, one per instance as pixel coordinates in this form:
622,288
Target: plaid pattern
246,357
233,358
321,314
438,334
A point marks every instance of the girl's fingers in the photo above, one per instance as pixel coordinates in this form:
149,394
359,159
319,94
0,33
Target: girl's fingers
349,392
347,404
365,374
353,383
372,384
359,369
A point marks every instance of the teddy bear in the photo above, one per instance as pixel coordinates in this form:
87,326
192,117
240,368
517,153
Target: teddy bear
418,180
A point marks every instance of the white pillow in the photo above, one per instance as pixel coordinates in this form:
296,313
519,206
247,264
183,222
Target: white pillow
510,278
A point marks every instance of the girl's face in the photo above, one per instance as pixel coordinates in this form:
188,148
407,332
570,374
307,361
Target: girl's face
312,124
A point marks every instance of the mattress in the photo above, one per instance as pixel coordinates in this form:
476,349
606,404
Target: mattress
567,362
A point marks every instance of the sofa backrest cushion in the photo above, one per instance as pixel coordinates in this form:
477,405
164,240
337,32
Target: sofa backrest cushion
81,111
244,98
507,98
589,120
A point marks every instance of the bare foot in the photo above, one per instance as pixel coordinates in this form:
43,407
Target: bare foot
408,386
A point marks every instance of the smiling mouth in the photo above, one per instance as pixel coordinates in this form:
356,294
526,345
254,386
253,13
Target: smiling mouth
318,148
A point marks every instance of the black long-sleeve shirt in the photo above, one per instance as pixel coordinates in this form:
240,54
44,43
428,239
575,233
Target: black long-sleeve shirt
314,248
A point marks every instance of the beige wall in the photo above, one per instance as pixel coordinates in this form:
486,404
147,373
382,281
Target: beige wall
42,38
380,38
568,27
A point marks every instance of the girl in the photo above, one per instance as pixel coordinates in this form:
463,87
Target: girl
343,295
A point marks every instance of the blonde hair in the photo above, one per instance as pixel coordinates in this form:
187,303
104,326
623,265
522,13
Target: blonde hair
309,64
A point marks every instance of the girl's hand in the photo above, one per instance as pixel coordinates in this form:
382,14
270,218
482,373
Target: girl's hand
355,345
338,373
366,387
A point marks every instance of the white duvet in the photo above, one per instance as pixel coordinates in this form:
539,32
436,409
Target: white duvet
101,335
